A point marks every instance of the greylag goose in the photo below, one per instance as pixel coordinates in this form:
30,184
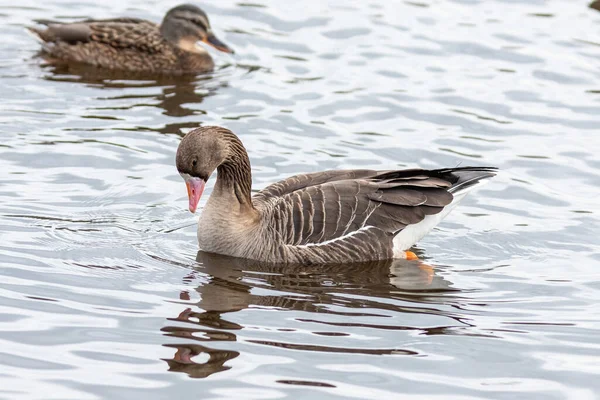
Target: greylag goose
335,216
134,45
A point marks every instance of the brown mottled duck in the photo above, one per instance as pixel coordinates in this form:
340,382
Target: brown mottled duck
134,45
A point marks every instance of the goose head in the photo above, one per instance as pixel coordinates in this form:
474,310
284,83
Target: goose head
187,24
199,154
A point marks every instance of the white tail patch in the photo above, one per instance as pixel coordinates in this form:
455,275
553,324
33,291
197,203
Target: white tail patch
413,233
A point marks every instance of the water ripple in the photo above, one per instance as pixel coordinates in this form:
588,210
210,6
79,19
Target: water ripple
103,293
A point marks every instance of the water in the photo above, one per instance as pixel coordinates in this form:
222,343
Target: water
103,293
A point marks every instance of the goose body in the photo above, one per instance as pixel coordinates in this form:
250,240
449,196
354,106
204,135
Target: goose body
132,44
337,216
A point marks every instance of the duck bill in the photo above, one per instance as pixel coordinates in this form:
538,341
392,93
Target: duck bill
195,187
217,44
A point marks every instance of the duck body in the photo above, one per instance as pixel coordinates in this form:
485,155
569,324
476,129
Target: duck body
337,216
132,44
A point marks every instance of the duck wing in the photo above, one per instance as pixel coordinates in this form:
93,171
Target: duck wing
47,22
119,33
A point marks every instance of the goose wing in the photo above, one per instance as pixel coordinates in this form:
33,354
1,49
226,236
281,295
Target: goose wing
316,208
302,181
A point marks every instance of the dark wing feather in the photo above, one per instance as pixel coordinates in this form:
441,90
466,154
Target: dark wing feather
69,33
120,33
309,209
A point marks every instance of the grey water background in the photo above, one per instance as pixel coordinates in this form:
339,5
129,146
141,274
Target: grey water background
103,294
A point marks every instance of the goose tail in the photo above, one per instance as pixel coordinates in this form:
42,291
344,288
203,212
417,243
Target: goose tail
467,179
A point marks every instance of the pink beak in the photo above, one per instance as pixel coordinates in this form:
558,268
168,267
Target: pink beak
195,187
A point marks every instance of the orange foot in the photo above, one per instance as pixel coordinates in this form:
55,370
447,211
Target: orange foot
411,256
429,271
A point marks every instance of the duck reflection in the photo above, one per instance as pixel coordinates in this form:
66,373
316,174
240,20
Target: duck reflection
233,287
175,92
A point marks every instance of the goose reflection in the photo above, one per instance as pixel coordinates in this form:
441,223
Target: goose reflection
182,360
175,92
233,278
231,288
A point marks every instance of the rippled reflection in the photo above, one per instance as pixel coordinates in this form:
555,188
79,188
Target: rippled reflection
176,92
182,360
100,294
305,288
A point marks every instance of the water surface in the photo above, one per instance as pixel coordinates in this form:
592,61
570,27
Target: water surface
103,293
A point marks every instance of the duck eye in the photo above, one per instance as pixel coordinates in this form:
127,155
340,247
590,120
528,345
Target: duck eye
200,23
194,163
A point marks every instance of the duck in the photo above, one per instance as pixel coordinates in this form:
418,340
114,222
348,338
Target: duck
133,44
335,216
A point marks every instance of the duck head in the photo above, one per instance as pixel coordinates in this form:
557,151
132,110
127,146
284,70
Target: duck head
187,24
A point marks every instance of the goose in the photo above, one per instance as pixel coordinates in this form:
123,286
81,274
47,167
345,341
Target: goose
134,45
337,216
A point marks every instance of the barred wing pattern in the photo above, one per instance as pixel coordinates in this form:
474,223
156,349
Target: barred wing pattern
335,208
